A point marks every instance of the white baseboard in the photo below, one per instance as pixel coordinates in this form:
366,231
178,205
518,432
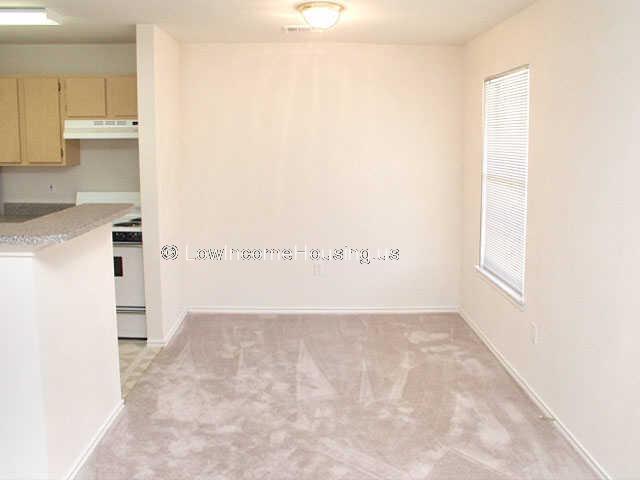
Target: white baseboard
174,329
519,379
79,463
293,310
321,310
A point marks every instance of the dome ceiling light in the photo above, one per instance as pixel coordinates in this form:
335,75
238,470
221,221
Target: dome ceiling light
320,15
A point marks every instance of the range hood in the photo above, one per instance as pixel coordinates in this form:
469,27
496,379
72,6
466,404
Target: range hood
100,129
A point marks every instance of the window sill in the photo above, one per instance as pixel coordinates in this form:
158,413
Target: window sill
506,291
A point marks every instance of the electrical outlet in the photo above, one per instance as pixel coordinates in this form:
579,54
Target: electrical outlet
534,333
317,269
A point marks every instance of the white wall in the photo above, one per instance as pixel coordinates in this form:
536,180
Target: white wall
161,162
583,230
59,354
23,434
75,59
104,165
75,305
324,145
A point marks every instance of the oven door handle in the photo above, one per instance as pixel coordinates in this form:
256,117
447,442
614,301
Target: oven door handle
135,310
118,270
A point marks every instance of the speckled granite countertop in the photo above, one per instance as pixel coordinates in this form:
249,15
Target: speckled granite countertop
58,227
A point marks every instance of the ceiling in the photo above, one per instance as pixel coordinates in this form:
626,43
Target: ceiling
451,22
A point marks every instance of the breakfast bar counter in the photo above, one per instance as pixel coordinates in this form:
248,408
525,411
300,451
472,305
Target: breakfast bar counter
57,227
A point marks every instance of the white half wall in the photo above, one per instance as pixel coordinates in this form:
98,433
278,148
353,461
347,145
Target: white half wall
583,228
59,355
23,433
77,332
323,145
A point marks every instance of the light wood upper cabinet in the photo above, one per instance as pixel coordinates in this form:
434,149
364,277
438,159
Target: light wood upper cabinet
31,123
9,121
33,110
122,97
85,97
40,120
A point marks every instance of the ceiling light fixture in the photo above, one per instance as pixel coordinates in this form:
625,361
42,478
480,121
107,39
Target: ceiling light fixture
320,15
26,16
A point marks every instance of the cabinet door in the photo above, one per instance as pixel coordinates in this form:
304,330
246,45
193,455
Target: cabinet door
122,97
9,121
85,97
40,120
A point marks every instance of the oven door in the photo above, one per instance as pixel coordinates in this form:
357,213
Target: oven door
129,275
128,271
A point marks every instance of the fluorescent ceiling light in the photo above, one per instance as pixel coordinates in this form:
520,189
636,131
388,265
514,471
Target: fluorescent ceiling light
26,16
321,15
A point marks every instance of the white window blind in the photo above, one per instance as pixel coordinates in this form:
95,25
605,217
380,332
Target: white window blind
504,180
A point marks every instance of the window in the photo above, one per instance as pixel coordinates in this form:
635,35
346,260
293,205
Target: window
504,180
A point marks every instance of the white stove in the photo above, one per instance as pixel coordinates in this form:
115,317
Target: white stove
128,229
128,263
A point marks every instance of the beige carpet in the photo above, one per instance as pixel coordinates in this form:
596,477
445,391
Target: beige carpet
402,397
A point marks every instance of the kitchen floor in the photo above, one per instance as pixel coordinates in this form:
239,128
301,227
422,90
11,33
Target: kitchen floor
135,358
398,397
